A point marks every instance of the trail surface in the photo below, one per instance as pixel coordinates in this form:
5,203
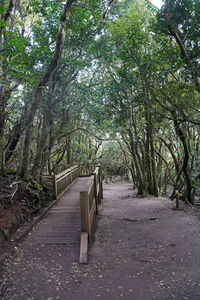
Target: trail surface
143,250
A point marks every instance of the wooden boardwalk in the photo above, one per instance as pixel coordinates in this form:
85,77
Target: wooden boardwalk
62,224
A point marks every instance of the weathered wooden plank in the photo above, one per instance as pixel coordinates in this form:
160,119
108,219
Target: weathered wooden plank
84,248
92,213
62,225
84,206
73,212
66,172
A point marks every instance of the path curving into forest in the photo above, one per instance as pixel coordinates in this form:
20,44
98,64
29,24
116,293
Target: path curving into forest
143,250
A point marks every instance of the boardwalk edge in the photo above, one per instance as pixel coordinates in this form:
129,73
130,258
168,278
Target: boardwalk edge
19,235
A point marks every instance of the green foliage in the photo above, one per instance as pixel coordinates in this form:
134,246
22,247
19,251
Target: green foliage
2,9
183,16
121,78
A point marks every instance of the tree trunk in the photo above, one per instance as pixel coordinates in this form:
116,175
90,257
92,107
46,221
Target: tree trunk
2,135
36,171
150,167
181,136
153,169
140,181
15,136
69,150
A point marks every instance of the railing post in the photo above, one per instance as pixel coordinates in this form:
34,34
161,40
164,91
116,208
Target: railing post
95,192
54,186
85,212
100,184
70,176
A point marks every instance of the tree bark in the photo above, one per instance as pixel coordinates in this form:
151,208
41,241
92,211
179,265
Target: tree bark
140,181
7,14
181,136
2,136
15,136
36,171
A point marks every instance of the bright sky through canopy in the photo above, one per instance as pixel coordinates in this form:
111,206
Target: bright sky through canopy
157,3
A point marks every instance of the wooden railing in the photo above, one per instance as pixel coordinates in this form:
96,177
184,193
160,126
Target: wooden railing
88,206
98,185
90,197
63,180
86,170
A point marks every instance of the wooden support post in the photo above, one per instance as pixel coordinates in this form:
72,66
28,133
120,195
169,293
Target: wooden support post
85,212
100,184
81,173
54,186
95,192
177,199
70,176
83,248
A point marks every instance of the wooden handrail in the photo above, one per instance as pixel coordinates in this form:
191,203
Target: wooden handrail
88,184
58,176
86,169
64,180
90,197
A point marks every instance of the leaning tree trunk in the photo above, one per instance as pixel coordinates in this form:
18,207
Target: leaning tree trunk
37,93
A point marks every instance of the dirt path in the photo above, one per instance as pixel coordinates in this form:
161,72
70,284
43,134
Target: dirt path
143,250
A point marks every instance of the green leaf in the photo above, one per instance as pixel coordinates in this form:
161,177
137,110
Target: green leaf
2,9
3,23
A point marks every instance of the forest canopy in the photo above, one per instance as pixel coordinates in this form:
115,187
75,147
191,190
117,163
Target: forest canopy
102,81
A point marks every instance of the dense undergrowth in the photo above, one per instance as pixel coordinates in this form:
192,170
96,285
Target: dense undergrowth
20,201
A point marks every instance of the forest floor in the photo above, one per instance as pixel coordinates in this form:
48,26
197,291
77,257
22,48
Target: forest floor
20,202
142,250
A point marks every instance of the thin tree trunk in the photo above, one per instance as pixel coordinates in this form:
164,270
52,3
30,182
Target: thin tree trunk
153,168
140,181
181,136
41,148
69,150
2,135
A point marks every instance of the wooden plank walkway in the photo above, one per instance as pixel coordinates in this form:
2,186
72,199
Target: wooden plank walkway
62,224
